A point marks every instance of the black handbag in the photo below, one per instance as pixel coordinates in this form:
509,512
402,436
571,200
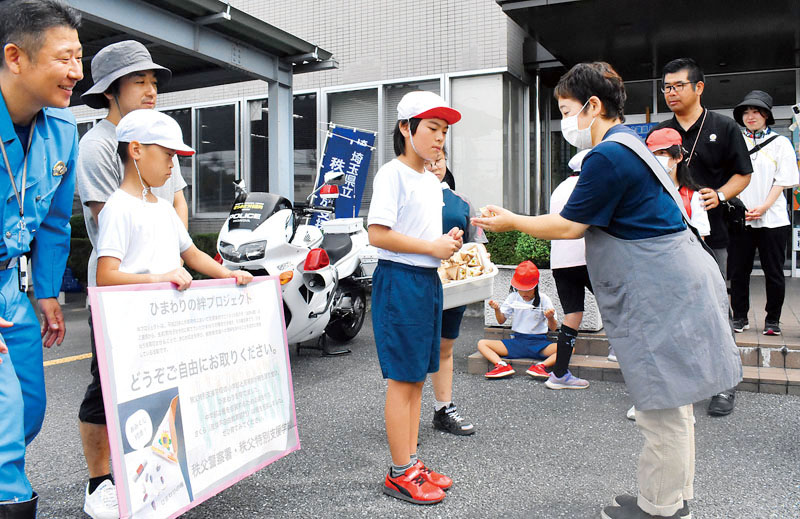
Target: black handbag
734,212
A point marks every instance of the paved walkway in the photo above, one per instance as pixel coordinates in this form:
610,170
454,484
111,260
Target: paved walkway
537,453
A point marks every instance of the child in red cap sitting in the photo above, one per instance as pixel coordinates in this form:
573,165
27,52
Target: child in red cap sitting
533,314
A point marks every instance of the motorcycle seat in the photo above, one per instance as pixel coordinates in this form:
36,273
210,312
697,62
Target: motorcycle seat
337,246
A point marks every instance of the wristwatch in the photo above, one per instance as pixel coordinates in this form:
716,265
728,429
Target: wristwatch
721,196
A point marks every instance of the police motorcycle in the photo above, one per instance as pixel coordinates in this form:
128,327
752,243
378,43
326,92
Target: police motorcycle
324,273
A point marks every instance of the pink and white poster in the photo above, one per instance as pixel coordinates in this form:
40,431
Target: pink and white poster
197,389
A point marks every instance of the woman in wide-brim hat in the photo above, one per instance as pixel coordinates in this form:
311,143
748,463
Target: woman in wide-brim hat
767,220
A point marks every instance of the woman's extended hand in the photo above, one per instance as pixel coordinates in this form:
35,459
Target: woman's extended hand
503,220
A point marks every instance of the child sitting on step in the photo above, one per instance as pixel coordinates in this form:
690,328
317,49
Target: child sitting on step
532,315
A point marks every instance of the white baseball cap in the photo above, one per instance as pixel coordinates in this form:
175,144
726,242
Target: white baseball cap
152,127
426,105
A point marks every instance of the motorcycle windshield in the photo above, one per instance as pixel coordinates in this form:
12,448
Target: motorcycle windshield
254,209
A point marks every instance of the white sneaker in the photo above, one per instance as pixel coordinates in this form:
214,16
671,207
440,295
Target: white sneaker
631,414
611,355
102,503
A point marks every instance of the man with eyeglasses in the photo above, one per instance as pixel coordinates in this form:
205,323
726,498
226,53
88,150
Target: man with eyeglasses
717,159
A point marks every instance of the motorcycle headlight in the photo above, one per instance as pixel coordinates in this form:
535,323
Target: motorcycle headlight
247,252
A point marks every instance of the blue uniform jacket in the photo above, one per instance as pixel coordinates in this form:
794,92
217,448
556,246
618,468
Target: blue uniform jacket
48,199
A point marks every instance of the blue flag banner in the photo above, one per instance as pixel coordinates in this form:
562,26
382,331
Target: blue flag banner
347,150
642,129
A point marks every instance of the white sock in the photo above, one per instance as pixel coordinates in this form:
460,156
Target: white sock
503,363
439,404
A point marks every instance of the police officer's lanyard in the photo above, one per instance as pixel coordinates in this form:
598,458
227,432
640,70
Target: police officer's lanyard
20,193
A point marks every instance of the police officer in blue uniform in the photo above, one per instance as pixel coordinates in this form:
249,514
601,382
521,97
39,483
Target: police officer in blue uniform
41,64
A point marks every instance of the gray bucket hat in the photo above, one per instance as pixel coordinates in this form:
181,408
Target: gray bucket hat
115,61
756,99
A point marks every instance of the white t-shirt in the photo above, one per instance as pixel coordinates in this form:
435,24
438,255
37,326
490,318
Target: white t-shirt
148,238
525,318
408,202
699,217
773,165
565,253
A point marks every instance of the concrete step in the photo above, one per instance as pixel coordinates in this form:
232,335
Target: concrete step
755,349
590,362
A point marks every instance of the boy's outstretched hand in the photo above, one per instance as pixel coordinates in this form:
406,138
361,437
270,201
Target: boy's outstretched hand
242,276
550,312
494,304
180,277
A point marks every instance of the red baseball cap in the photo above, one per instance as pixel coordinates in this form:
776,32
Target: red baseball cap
526,276
663,139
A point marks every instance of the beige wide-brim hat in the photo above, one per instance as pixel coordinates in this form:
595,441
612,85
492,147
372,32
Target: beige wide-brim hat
117,60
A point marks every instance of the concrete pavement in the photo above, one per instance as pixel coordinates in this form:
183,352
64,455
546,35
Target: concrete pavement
537,453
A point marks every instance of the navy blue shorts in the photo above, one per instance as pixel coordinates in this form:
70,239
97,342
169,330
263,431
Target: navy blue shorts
451,321
526,345
406,320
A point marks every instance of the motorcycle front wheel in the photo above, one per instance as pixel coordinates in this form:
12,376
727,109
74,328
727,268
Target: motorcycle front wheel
347,327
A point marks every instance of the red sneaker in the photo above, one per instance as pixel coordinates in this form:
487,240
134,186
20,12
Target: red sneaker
500,371
538,371
440,480
412,487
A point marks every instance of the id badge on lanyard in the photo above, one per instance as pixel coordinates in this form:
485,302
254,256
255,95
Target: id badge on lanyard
22,271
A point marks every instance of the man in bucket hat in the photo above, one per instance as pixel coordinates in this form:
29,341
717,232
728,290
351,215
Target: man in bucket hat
125,79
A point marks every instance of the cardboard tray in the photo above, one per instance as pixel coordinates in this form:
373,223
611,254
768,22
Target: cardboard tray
471,290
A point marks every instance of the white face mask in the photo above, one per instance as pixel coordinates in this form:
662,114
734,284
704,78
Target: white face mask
581,139
664,161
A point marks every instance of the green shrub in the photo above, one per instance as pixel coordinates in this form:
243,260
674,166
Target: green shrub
534,249
78,226
502,247
514,247
79,251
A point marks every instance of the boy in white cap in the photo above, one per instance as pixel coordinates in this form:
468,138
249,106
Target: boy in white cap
141,238
405,223
125,79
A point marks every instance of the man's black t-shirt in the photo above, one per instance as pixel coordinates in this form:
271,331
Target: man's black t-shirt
720,153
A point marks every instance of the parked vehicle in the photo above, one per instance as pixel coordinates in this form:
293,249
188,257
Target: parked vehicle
324,272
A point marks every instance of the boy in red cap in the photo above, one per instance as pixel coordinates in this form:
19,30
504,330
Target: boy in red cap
533,314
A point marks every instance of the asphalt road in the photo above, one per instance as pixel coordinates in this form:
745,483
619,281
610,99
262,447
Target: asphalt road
537,453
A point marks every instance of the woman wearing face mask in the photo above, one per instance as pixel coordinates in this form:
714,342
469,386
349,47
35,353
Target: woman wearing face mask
666,145
659,292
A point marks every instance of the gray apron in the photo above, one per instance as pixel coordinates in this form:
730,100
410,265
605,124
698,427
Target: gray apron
665,309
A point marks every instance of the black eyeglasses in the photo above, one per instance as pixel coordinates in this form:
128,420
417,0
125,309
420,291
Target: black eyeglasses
677,87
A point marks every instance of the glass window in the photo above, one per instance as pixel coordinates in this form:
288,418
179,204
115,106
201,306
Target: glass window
259,146
84,127
477,147
639,97
305,144
217,158
184,118
514,194
357,109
